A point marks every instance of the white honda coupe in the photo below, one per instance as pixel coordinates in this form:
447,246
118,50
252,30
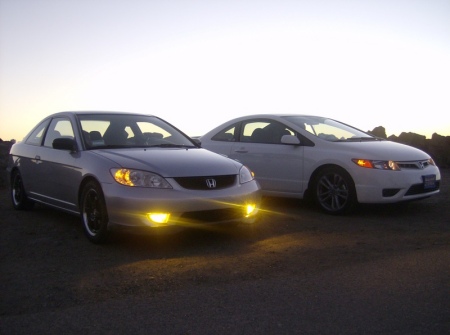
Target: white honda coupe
336,165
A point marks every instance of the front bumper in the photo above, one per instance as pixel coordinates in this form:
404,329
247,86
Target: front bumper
130,206
375,186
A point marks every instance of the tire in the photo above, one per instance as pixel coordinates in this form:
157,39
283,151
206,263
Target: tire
334,191
94,215
19,197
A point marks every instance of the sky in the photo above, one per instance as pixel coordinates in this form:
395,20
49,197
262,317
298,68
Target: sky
199,63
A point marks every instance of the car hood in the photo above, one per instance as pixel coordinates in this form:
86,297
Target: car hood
173,162
385,150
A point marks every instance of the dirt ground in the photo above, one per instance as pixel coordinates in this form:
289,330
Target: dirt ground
48,266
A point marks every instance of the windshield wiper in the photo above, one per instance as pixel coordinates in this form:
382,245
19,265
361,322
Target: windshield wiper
360,139
110,146
171,145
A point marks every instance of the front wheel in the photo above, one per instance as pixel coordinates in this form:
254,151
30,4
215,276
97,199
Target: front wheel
94,215
18,196
334,191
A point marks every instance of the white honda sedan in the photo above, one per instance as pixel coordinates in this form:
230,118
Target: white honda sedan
123,169
336,165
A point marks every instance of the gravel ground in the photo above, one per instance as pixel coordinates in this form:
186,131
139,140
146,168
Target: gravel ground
382,269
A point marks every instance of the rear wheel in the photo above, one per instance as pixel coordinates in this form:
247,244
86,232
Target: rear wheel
18,196
94,215
334,191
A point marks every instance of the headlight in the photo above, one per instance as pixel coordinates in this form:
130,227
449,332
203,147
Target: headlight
245,175
375,164
139,178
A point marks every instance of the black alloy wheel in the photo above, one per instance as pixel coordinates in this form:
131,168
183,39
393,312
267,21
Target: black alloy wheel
94,215
334,191
18,195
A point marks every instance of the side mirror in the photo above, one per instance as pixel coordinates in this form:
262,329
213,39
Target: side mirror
290,139
65,144
196,141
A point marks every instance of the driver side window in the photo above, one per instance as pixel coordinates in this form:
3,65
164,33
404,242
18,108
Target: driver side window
59,127
264,131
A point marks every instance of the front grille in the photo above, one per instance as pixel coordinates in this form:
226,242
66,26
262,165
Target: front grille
416,165
216,215
419,189
204,183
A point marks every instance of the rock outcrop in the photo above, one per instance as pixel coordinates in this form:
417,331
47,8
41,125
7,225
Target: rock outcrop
4,151
438,147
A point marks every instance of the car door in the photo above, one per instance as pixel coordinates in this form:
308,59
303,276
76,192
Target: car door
278,167
59,175
26,158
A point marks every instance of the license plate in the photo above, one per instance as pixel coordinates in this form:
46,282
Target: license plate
429,181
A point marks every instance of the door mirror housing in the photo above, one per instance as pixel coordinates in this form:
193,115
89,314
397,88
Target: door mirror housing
290,139
65,144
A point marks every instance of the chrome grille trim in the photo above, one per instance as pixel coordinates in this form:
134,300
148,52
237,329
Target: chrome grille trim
416,165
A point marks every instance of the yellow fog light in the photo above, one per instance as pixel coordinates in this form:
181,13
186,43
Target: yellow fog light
158,217
250,209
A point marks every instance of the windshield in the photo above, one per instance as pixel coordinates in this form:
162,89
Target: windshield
329,129
128,130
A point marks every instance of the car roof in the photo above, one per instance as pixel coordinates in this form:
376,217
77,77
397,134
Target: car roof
272,115
96,112
277,115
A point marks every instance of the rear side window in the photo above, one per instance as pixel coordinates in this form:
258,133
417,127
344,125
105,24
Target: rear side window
226,135
36,136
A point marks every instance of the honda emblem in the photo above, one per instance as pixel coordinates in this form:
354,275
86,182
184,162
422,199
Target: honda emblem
211,183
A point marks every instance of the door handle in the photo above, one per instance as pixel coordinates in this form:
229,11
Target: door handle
241,151
37,158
